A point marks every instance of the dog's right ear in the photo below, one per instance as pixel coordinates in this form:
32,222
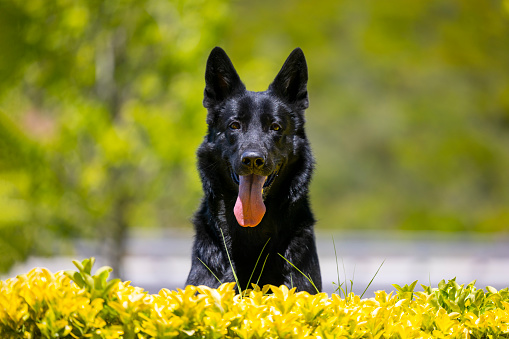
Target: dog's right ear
221,78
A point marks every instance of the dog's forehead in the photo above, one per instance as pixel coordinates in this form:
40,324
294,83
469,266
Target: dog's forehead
255,104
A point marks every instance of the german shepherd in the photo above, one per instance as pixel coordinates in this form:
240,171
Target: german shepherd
255,165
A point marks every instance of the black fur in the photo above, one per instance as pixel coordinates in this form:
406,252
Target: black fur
270,125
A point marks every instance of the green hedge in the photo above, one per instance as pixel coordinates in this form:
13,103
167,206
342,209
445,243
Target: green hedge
81,305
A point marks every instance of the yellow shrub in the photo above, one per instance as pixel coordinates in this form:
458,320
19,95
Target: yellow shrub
45,305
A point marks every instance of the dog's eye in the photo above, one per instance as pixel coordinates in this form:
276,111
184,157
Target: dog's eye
234,125
275,127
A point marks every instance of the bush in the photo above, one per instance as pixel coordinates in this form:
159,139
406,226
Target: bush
81,305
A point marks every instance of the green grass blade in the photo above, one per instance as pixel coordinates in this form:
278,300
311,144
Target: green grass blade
345,291
254,269
209,270
373,278
308,278
339,289
337,265
353,278
263,266
231,265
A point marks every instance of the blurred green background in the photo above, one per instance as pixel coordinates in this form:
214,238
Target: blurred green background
100,112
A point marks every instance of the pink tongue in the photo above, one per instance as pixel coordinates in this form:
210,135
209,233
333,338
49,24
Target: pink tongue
249,208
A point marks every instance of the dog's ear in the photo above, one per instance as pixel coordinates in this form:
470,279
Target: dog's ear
221,78
291,82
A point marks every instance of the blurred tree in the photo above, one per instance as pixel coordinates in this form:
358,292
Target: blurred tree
409,115
409,106
20,162
118,88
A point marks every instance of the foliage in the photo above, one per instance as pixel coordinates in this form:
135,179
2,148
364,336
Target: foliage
109,94
23,177
45,305
409,106
100,112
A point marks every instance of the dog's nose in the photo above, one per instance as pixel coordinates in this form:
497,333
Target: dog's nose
253,159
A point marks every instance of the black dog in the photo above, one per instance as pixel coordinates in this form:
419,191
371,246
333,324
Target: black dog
255,165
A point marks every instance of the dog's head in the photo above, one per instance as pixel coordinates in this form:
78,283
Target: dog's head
257,134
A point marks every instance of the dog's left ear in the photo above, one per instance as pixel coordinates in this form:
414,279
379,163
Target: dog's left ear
291,82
